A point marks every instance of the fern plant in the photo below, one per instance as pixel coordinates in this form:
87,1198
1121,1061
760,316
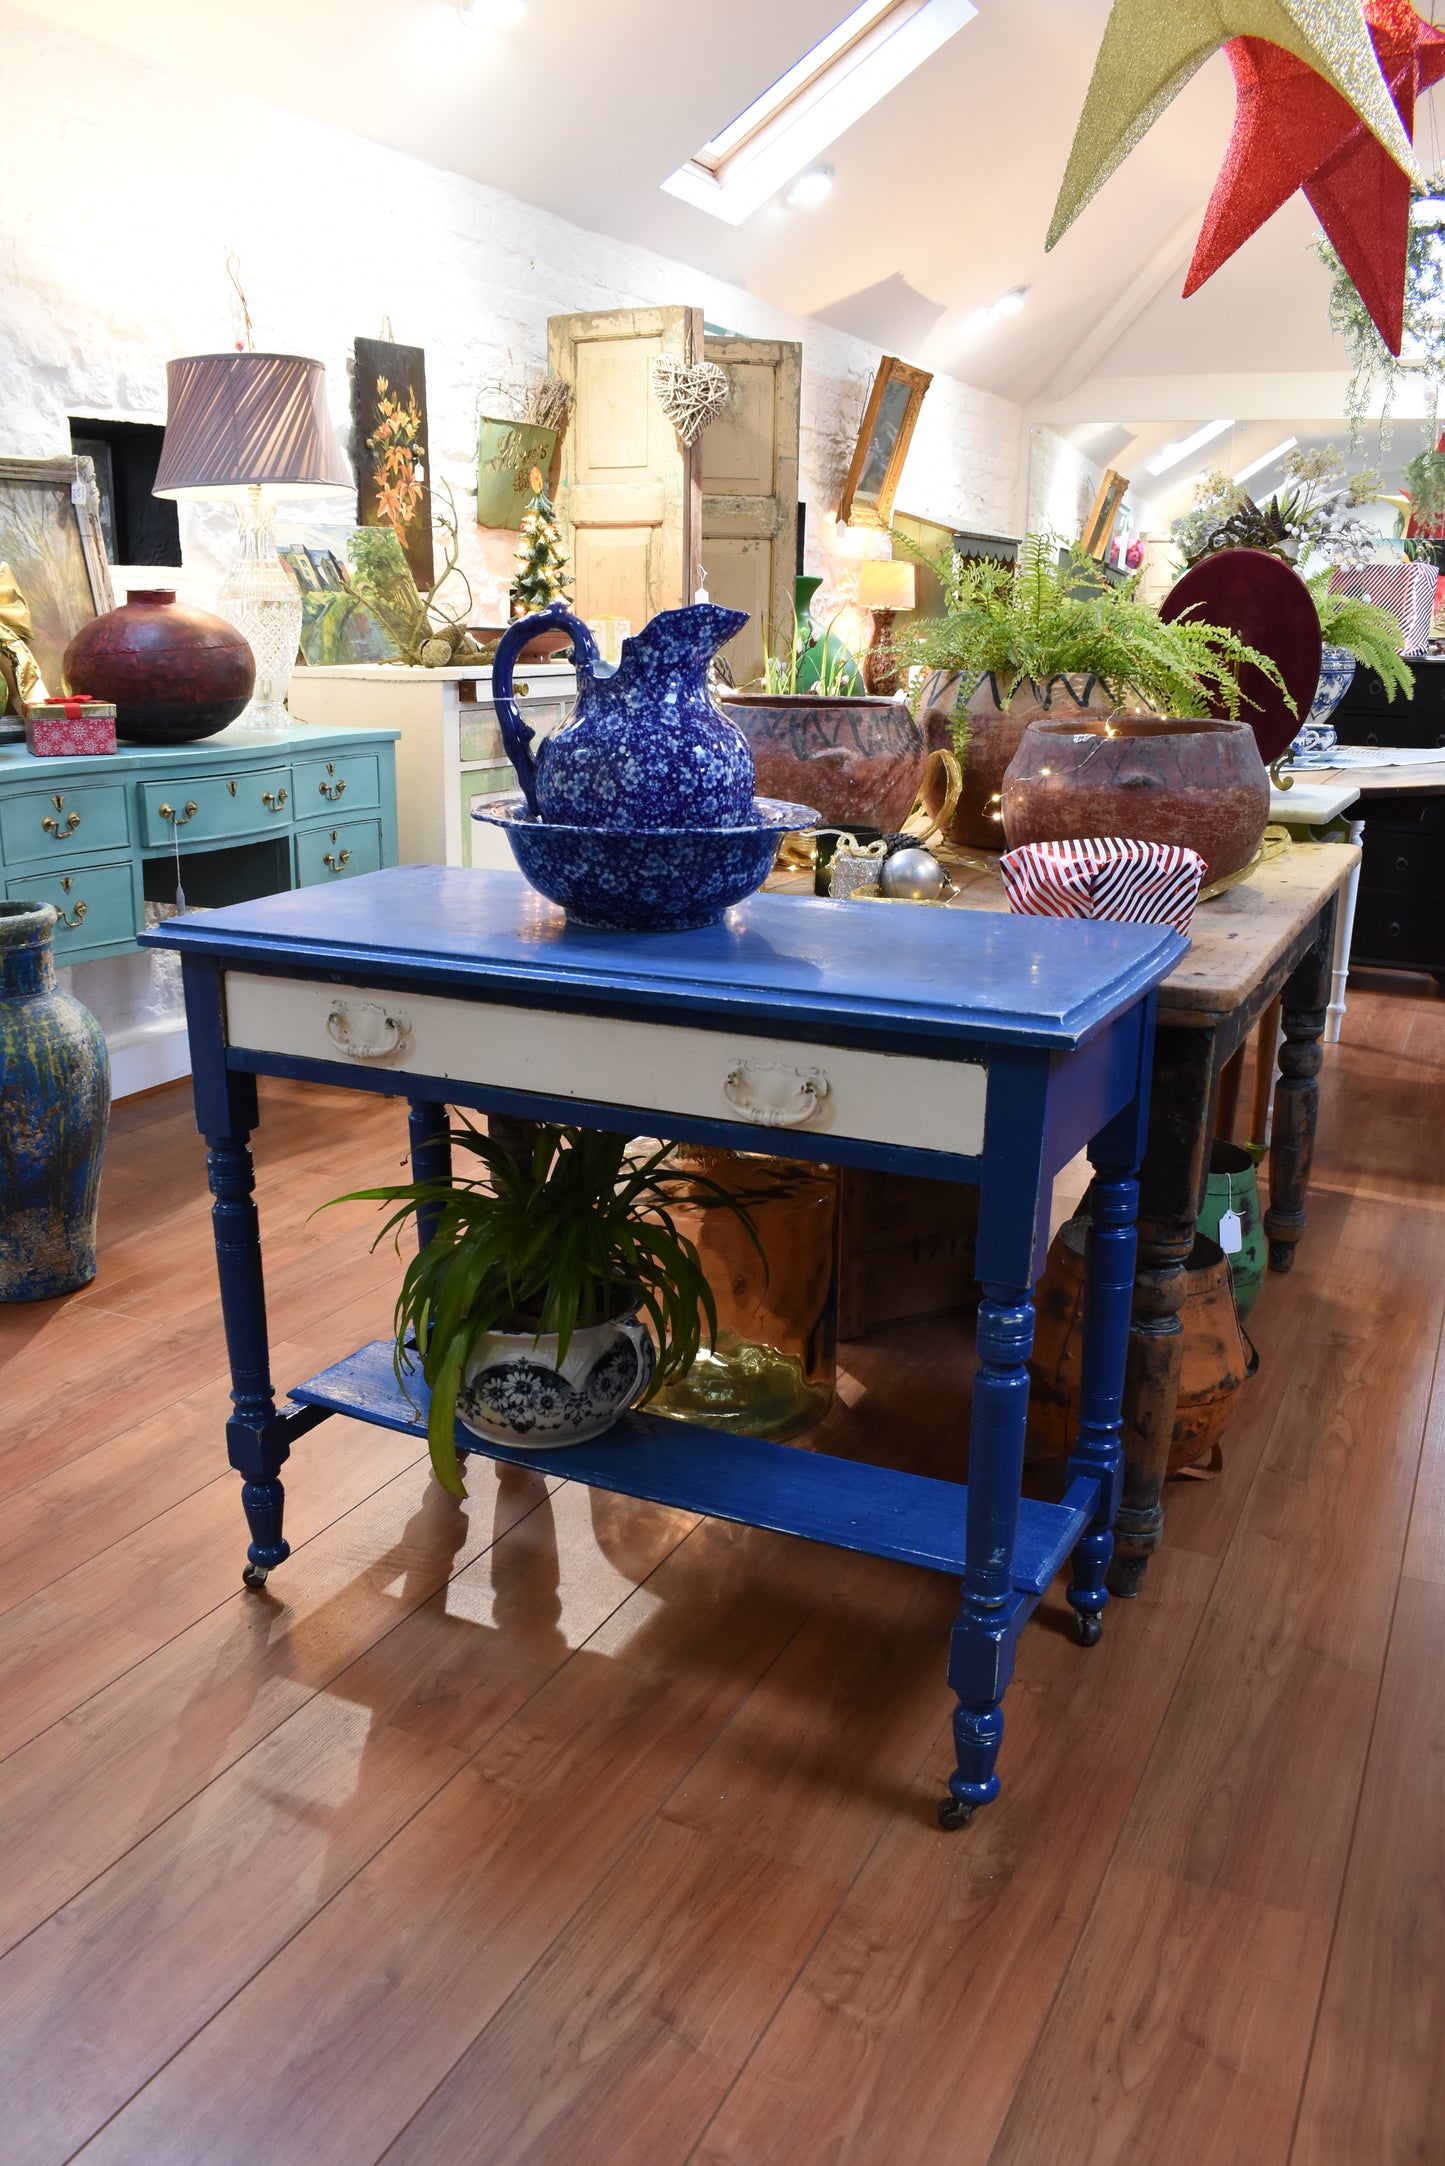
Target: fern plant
1051,614
572,1233
1363,629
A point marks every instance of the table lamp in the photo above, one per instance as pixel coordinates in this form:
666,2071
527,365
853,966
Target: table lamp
884,588
248,429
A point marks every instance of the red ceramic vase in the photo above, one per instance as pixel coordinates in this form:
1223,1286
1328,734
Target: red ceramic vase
174,673
1200,784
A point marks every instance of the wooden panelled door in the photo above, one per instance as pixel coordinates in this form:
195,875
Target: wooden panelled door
750,495
630,495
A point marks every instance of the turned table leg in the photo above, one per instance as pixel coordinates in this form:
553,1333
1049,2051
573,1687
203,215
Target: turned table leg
1171,1189
981,1655
429,1137
1109,1282
1303,1008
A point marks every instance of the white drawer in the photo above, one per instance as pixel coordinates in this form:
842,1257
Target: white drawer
657,1067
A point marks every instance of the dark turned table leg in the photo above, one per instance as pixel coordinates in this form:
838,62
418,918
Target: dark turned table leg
1171,1187
1303,1006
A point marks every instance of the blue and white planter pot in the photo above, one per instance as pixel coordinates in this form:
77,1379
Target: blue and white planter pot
1318,738
517,1392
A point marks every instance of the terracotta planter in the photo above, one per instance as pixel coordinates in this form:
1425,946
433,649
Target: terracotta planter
855,759
995,733
1214,1361
1201,784
175,673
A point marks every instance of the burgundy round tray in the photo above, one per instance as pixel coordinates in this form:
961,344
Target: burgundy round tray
1266,602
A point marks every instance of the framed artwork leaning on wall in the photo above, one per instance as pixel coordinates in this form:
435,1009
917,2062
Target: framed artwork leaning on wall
51,539
889,420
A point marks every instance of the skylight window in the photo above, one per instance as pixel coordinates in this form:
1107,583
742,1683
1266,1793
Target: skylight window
875,47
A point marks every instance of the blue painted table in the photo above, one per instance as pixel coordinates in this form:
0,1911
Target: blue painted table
984,1049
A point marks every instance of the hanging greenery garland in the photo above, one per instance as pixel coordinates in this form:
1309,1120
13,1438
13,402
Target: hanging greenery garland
1422,350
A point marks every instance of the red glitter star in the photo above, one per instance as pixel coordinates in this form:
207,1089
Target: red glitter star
1292,130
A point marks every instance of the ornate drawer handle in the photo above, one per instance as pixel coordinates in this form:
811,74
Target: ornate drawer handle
67,918
275,803
334,864
60,828
333,790
169,812
365,1031
775,1095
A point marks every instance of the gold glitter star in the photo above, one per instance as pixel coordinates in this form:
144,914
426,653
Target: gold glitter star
1152,47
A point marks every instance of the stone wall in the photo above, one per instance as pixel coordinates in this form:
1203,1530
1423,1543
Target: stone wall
124,188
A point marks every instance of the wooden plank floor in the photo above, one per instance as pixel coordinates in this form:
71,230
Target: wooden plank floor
558,1828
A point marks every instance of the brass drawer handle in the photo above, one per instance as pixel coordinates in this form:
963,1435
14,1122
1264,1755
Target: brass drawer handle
334,864
65,917
169,812
275,803
60,828
332,790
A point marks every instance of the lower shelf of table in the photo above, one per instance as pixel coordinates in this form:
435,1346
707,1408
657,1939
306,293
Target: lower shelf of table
850,1505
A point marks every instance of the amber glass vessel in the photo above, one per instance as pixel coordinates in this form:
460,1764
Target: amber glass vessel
772,1371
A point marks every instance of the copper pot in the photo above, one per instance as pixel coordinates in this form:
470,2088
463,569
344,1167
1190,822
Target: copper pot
1214,1360
175,673
856,759
1201,784
994,735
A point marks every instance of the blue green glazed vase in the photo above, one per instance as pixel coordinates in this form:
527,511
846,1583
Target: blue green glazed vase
54,1105
1233,1185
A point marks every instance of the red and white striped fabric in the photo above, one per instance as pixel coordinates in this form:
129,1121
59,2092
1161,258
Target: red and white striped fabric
1406,590
1107,876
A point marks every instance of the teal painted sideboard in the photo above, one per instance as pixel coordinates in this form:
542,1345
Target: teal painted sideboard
253,813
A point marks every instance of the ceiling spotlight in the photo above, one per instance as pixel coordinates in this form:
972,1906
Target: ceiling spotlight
810,188
491,14
1009,304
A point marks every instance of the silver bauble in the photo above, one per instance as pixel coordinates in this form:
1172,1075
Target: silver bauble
913,876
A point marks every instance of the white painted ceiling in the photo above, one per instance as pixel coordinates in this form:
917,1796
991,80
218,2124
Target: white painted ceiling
942,194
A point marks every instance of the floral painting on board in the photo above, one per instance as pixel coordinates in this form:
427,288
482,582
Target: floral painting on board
389,447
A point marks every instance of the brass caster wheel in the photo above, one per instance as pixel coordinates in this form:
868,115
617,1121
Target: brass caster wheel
255,1575
1088,1627
955,1812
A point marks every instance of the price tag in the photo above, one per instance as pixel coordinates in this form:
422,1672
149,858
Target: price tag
1231,1233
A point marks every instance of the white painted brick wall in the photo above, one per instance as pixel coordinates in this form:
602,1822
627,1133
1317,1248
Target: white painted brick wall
122,188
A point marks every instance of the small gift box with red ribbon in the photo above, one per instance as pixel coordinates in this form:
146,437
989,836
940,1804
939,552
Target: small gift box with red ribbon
59,728
1106,876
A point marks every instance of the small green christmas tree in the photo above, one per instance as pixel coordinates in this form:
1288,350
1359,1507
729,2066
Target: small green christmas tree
542,575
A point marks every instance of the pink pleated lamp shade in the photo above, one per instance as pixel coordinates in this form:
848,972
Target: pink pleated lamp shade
235,421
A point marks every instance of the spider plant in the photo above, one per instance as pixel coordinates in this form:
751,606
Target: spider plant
1363,629
1051,615
574,1230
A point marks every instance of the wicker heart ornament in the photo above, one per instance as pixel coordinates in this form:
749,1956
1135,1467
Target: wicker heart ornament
690,397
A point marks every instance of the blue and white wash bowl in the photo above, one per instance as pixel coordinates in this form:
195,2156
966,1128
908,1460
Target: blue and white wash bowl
638,815
1318,737
645,880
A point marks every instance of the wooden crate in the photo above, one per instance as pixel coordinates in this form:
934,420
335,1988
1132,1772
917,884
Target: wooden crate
905,1249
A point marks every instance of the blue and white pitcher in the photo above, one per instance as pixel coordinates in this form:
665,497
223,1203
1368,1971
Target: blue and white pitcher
646,747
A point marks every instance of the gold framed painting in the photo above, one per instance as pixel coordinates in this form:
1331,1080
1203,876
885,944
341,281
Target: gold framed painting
1099,530
51,539
889,420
